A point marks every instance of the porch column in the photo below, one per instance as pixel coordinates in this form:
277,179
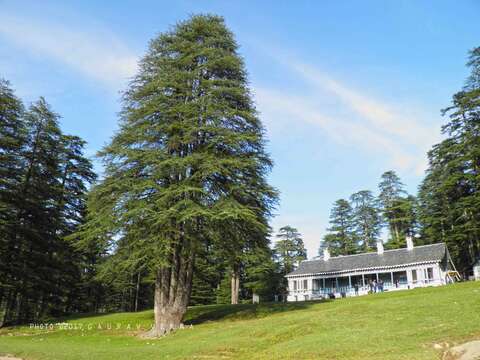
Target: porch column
377,277
323,285
363,280
391,277
349,280
336,284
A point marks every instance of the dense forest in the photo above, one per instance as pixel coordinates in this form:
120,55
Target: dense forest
181,215
44,177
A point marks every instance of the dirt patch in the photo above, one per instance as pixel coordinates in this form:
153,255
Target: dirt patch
8,357
467,351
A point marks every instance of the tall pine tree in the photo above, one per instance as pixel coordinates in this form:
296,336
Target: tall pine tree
398,209
366,216
13,138
342,239
450,194
44,187
289,251
187,164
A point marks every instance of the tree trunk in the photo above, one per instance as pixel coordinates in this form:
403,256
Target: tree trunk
137,291
397,234
4,307
173,286
130,293
123,307
2,291
235,285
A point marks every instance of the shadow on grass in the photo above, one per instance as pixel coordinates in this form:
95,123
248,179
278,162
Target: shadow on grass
195,314
199,314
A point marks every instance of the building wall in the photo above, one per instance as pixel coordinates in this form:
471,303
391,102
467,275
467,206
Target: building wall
301,293
476,271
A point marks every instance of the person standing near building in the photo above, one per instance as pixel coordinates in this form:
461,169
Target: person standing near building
380,285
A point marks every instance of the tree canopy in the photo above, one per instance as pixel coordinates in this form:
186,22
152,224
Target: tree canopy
187,166
449,195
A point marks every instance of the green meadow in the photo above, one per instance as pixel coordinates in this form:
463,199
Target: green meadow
397,325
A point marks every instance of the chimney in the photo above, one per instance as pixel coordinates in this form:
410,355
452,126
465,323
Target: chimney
409,242
326,254
380,247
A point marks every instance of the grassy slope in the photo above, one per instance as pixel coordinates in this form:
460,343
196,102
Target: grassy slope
402,325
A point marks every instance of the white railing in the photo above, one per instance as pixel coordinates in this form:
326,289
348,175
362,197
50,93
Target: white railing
363,290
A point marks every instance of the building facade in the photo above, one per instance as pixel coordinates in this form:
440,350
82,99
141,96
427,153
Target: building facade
476,271
399,269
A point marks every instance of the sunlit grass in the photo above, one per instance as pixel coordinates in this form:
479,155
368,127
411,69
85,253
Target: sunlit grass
401,325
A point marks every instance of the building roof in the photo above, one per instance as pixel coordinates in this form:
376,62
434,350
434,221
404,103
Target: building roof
390,258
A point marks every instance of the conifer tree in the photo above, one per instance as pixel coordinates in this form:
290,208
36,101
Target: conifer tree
210,269
366,218
37,221
449,195
341,239
289,250
263,275
13,135
43,186
398,209
187,163
391,190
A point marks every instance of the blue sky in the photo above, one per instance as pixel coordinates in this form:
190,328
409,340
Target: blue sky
346,90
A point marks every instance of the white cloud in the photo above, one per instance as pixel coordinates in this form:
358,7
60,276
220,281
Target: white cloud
351,118
95,53
278,106
379,114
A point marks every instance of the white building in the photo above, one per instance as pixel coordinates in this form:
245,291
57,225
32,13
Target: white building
476,270
406,268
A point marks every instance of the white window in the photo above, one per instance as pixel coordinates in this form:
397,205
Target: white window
305,284
294,285
414,275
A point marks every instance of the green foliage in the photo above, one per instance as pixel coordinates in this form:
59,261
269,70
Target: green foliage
42,200
259,273
289,248
210,270
263,276
223,293
449,196
342,239
403,220
188,165
366,218
13,138
398,209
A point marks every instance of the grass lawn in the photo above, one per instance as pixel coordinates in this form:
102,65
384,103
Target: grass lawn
397,325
